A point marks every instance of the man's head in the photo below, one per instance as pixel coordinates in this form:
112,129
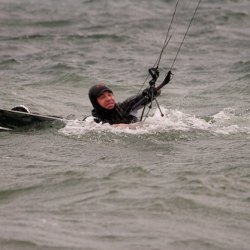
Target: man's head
101,97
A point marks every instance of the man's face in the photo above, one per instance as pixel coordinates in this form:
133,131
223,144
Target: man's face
106,100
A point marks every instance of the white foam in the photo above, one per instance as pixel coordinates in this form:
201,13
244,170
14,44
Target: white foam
224,122
227,122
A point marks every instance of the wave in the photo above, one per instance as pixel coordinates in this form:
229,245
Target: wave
225,122
8,193
241,67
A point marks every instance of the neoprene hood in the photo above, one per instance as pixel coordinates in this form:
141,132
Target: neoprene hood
95,91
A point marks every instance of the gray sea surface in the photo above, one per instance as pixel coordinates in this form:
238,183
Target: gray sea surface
181,181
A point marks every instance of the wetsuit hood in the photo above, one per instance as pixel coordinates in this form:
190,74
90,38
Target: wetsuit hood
94,92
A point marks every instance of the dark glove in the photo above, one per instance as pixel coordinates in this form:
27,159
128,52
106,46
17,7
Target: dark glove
168,77
151,92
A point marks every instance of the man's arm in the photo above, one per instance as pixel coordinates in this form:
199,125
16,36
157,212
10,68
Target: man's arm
134,103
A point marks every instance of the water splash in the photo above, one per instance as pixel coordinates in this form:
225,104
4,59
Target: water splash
224,122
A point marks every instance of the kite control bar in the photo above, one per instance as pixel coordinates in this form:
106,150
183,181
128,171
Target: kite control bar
150,93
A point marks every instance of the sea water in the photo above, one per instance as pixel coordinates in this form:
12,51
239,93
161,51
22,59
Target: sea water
178,181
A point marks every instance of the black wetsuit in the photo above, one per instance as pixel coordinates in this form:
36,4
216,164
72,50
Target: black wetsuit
121,113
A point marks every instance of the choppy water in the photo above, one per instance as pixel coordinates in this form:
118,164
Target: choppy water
180,181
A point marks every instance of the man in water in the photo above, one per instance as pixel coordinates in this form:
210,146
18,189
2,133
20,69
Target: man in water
106,110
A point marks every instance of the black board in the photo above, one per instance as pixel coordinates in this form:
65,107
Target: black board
16,120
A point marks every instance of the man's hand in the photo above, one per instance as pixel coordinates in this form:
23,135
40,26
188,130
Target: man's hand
151,92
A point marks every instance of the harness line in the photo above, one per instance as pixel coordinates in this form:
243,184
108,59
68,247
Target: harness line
166,39
186,33
164,45
154,71
166,42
